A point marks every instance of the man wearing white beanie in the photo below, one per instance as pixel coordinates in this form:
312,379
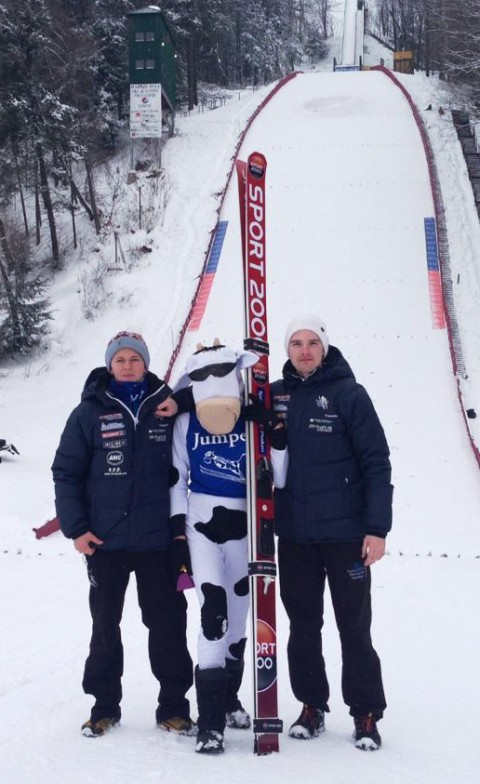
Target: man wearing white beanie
331,517
311,323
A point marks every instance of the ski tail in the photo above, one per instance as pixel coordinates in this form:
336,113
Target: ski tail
262,565
47,528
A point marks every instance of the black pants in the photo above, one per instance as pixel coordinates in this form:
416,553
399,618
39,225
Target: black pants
303,569
164,613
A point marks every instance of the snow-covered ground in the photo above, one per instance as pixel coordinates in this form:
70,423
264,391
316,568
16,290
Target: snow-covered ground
347,194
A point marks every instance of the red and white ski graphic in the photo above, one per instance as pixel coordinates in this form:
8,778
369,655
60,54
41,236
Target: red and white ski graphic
262,565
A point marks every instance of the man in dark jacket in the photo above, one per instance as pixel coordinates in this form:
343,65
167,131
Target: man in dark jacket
112,473
332,516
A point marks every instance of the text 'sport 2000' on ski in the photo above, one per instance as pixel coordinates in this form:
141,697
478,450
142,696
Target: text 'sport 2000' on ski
262,565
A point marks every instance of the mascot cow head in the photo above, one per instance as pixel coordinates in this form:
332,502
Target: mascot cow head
216,380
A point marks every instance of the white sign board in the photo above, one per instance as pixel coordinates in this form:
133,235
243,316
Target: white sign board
145,111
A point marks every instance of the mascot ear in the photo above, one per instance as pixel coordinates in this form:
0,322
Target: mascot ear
246,359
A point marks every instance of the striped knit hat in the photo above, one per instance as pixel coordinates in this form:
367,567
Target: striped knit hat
130,340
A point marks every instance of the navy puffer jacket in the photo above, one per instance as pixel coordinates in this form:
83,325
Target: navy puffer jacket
112,470
338,481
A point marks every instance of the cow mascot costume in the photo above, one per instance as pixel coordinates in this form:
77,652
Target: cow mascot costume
208,506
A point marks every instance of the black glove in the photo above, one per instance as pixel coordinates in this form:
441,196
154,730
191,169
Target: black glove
180,557
173,477
256,412
177,525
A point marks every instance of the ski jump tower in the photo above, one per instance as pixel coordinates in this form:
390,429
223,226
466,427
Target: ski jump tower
152,73
352,39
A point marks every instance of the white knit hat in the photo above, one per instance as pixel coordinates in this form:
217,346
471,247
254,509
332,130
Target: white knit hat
311,322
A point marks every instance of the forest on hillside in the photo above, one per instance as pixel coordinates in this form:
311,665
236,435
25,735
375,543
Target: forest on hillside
64,102
444,35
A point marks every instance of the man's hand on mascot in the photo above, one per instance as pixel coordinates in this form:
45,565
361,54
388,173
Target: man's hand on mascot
180,402
166,408
274,427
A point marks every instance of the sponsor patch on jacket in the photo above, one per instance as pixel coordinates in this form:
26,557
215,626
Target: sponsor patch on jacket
322,402
320,425
114,471
115,457
112,426
114,434
115,444
280,405
158,434
107,426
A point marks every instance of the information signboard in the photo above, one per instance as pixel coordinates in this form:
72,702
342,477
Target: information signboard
145,111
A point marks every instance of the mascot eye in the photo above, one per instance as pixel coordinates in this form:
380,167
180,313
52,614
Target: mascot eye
219,370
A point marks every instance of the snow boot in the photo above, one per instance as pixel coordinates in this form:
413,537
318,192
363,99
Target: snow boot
178,725
235,714
209,742
309,724
94,729
366,734
211,686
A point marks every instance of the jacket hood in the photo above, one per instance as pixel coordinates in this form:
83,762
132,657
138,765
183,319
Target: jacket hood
97,380
333,367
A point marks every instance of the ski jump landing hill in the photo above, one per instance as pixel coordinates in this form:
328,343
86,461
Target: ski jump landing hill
352,235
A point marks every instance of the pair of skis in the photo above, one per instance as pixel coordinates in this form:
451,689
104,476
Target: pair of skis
262,565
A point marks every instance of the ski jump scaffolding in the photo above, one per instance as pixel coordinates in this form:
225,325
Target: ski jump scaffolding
353,35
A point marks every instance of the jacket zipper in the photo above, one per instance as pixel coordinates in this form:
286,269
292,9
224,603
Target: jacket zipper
135,418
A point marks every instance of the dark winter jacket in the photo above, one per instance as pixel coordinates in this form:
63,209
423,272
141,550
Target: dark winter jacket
338,481
112,470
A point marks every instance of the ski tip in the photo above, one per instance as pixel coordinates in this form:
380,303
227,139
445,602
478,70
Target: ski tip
257,164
